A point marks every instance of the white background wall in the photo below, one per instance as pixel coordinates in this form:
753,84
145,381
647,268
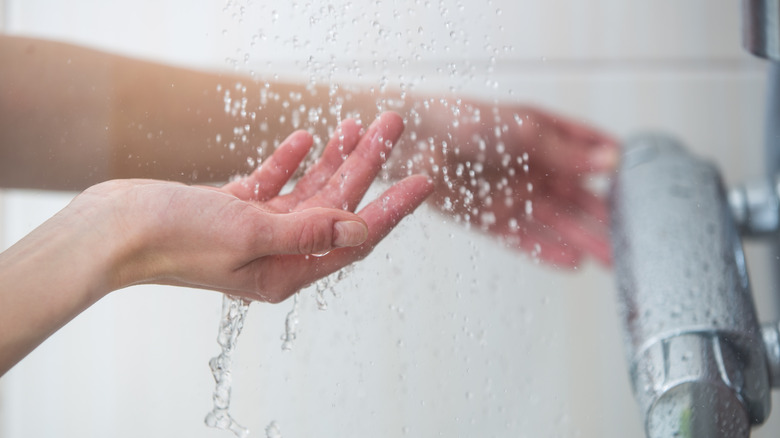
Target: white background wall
440,332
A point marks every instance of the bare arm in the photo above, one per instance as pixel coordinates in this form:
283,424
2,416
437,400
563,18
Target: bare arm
242,239
71,117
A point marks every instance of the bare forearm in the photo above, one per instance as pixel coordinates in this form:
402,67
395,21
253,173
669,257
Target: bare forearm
48,278
242,239
71,117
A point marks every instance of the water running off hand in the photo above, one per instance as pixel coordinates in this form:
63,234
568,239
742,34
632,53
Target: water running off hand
233,315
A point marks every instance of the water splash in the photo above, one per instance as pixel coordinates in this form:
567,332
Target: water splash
233,315
321,287
408,48
327,284
273,431
291,325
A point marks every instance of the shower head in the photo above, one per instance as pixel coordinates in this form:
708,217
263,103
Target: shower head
695,350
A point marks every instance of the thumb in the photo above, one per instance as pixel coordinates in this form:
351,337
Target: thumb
315,231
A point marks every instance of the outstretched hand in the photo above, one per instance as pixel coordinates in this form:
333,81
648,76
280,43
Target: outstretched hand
245,238
522,175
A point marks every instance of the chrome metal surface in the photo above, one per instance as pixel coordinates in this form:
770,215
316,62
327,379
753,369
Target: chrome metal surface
771,335
693,342
756,206
761,28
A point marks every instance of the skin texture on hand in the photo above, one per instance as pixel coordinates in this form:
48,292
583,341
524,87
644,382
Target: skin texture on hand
244,238
247,240
80,116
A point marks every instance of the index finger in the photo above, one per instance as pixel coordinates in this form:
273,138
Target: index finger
341,144
268,179
349,183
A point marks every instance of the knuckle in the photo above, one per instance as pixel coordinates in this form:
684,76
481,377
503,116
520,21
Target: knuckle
314,236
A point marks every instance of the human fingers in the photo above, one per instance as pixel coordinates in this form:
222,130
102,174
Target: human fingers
554,153
537,240
243,249
276,278
563,146
516,224
574,228
341,144
268,179
381,216
587,134
310,231
571,192
386,211
346,187
582,132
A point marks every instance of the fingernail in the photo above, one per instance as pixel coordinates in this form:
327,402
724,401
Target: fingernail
349,233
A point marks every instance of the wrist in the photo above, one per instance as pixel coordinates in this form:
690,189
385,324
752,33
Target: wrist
111,234
51,275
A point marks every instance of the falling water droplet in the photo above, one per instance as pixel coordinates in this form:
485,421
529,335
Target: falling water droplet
273,431
233,314
291,326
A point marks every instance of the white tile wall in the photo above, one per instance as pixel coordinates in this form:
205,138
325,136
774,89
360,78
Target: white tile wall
439,332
